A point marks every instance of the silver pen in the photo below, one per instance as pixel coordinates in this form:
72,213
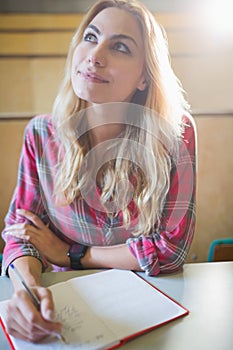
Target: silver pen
32,295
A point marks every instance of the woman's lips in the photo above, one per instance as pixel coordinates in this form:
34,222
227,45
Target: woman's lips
93,77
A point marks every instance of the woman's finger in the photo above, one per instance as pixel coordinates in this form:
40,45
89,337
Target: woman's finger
29,234
24,231
17,326
21,226
32,217
21,236
46,319
21,320
24,319
18,334
47,304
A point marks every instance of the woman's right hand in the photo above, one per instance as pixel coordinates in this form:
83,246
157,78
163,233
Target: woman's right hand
24,321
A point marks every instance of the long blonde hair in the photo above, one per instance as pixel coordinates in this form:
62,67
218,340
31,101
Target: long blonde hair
164,104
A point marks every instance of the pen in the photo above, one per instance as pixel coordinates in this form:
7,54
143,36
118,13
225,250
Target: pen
32,296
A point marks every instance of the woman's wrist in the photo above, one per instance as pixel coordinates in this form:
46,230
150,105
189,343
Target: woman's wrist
30,268
59,255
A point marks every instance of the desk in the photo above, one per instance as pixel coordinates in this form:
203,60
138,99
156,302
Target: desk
206,289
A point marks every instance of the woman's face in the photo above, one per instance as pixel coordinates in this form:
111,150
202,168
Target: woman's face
108,64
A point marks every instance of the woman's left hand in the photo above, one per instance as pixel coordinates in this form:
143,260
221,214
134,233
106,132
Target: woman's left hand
41,237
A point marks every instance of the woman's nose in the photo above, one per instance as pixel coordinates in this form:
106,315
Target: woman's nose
97,57
97,61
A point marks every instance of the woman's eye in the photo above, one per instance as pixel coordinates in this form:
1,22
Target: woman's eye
121,47
90,37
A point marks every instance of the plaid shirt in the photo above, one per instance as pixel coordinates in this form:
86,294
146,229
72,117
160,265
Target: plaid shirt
162,251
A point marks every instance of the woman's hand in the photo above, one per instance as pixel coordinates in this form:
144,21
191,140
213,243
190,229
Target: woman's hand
41,237
24,321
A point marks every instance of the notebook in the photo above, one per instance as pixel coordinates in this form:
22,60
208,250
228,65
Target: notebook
103,311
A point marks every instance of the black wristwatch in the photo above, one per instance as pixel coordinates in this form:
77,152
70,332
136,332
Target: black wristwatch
76,253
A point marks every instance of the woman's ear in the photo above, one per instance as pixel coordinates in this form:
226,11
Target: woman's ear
142,84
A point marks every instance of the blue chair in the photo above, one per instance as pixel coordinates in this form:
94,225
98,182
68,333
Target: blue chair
221,250
0,262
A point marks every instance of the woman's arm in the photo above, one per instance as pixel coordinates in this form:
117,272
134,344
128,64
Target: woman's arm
26,195
30,268
117,256
55,250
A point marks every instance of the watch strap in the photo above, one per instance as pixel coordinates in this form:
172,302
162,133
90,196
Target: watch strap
76,253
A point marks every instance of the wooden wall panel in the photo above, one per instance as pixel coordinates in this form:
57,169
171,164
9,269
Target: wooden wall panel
215,183
29,86
34,43
36,21
15,86
208,81
46,76
68,21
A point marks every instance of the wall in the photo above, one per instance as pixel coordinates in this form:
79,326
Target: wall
32,56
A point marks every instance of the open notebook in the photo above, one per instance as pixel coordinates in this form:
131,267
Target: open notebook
103,311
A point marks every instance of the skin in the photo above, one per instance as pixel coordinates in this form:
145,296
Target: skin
110,51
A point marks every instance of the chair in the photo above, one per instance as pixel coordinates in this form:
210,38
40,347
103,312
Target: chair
0,262
221,250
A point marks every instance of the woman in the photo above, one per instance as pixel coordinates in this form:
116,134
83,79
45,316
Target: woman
120,117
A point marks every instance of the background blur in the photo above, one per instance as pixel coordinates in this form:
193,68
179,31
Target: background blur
34,40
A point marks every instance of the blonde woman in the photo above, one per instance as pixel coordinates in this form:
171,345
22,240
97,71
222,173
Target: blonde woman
107,180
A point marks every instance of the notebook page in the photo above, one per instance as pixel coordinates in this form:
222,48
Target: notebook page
82,329
125,302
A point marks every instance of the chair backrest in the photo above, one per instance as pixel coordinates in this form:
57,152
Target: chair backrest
221,250
0,263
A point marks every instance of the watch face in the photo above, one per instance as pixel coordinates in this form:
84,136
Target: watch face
77,250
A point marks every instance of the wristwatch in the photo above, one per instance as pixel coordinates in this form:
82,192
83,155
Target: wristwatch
76,253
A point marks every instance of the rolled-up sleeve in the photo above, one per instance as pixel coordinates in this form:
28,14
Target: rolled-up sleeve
165,249
26,196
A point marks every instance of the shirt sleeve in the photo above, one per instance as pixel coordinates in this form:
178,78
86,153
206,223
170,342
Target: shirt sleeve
26,196
165,250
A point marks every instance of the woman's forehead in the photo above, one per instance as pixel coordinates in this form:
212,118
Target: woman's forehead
117,21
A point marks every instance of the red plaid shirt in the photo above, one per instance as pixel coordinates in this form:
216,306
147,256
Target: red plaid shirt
162,251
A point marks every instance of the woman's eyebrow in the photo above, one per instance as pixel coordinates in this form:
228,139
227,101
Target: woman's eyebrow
124,36
114,36
91,26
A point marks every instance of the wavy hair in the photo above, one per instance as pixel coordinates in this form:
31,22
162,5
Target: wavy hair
164,106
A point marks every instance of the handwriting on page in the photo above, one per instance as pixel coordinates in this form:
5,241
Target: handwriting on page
70,317
81,328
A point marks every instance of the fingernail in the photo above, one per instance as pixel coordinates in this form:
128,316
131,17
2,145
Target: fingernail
10,234
50,315
60,337
19,211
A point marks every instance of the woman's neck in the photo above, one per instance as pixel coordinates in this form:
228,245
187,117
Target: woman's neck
105,122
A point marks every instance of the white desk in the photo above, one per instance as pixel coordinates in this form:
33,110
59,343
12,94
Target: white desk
205,289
